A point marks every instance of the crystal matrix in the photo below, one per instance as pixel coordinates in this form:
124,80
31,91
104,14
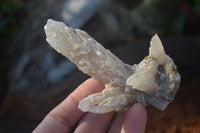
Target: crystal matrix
154,80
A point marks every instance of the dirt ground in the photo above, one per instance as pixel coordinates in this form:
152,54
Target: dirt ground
182,116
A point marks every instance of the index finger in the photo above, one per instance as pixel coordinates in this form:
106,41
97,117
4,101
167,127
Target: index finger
64,117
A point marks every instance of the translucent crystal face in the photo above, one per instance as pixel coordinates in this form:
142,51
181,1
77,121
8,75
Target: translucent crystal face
89,56
154,80
156,76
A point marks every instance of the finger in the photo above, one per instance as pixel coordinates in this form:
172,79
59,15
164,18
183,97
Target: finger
94,123
64,117
135,120
117,123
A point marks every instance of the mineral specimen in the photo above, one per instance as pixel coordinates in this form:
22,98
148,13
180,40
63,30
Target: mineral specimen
155,80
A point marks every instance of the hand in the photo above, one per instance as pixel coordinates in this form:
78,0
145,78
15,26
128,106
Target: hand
66,117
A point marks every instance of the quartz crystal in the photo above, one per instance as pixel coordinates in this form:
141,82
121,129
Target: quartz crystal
155,80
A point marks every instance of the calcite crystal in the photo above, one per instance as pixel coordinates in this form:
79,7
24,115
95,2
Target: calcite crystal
155,80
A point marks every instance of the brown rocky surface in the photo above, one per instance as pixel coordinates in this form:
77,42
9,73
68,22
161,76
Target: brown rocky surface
182,116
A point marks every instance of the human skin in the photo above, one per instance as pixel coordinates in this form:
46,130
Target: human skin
66,117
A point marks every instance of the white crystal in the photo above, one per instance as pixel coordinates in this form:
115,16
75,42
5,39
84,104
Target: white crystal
154,80
89,56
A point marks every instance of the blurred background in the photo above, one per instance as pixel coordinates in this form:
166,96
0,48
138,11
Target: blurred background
34,78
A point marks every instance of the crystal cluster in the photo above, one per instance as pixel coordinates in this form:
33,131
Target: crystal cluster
155,80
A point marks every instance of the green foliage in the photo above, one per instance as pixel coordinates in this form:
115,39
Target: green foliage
193,2
12,13
165,16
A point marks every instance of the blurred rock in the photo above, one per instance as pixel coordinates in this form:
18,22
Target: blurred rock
35,61
115,23
77,12
38,69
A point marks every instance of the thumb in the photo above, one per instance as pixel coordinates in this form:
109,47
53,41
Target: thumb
135,120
